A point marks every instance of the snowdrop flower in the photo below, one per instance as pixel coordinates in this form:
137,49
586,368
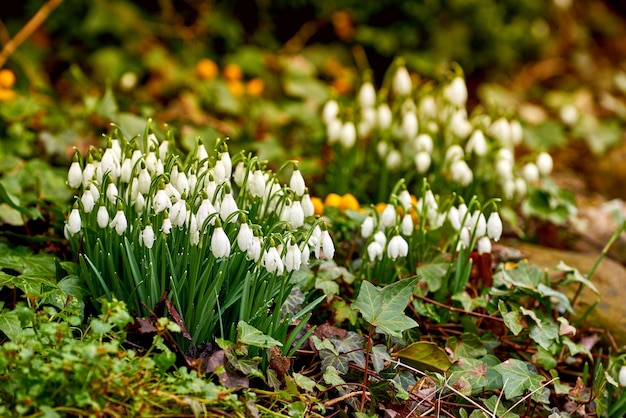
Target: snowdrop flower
253,252
293,258
194,230
102,216
388,217
501,130
424,142
219,172
151,162
240,173
544,163
367,95
422,162
272,261
110,164
126,171
227,163
494,226
325,247
517,133
504,169
307,205
380,238
367,122
143,180
622,376
393,159
459,124
166,227
409,125
463,213
384,116
119,222
464,237
333,131
407,225
456,92
228,206
520,187
483,245
375,251
454,218
306,254
477,144
244,237
182,183
405,199
161,201
88,201
146,237
569,114
256,184
367,227
461,173
205,210
220,245
454,152
530,172
88,173
397,247
75,174
330,111
296,182
428,107
401,83
164,148
480,223
178,213
210,187
382,148
73,221
112,193
348,135
508,188
296,215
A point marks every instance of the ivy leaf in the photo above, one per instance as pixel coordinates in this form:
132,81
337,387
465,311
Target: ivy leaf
247,334
524,276
10,324
479,374
379,356
518,376
573,275
425,355
304,382
432,274
384,308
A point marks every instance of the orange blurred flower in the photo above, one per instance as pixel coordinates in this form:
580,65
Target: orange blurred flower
333,200
235,87
255,86
318,206
7,80
348,201
206,69
232,72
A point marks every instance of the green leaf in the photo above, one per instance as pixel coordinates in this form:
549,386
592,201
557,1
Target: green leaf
424,355
545,358
495,406
433,274
524,276
545,334
518,376
10,324
573,275
479,374
249,335
304,382
384,308
343,312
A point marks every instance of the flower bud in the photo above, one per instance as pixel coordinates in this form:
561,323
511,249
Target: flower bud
384,116
75,175
330,111
483,245
544,163
74,222
456,92
220,245
401,83
296,182
367,95
348,135
494,226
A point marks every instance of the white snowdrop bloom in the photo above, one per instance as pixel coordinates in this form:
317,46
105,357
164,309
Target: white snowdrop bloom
110,163
227,207
393,160
520,187
505,154
333,131
192,180
178,213
384,116
119,222
569,114
367,227
240,173
182,183
272,194
146,237
88,201
504,169
325,247
424,142
454,218
306,254
117,149
166,227
219,172
530,172
143,181
501,131
459,124
112,193
407,225
285,212
296,215
74,222
227,163
205,210
494,226
75,175
151,161
480,223
428,107
95,193
307,205
405,199
454,152
401,83
375,251
88,172
254,250
293,258
410,125
456,92
367,95
388,217
517,133
367,122
463,216
622,376
244,237
102,217
348,135
397,247
161,201
296,182
136,156
163,150
382,148
483,245
272,261
220,245
461,173
210,187
508,188
477,144
380,238
139,203
330,111
429,199
194,230
422,161
315,236
160,168
126,171
544,163
464,237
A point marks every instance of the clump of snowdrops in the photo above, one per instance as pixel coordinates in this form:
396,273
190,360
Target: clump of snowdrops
422,130
218,236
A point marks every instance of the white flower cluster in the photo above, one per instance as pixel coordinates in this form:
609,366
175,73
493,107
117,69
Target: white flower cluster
427,129
147,194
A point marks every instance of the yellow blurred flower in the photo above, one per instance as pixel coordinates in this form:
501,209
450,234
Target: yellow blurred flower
380,207
235,87
206,69
233,72
333,200
7,79
255,87
318,206
348,201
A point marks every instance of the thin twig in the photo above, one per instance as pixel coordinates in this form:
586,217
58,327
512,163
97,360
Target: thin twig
28,29
452,308
346,396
